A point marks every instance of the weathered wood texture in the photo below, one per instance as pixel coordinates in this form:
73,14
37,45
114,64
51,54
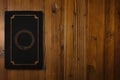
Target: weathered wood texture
81,39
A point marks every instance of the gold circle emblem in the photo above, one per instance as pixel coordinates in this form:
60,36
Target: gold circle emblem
24,47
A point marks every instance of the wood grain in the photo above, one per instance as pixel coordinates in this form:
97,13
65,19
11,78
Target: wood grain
95,40
69,55
54,57
81,39
80,14
117,40
109,39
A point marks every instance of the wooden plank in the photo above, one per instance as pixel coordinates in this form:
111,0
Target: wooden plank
80,13
54,57
109,40
69,55
74,40
48,36
62,45
117,40
95,40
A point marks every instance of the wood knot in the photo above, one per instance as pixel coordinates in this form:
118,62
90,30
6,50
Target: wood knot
94,38
118,13
109,34
90,68
72,25
54,8
62,47
75,13
70,75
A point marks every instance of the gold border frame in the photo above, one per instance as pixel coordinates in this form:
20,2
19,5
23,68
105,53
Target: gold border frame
11,59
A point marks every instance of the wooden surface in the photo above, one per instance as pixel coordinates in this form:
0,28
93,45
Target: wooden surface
81,39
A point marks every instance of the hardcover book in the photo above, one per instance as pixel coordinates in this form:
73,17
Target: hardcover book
23,39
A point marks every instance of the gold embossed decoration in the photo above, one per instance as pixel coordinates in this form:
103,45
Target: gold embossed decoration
29,35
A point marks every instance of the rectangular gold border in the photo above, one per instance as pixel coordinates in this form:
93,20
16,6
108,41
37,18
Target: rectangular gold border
11,61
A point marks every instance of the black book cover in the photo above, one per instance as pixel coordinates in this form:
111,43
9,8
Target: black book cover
23,39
